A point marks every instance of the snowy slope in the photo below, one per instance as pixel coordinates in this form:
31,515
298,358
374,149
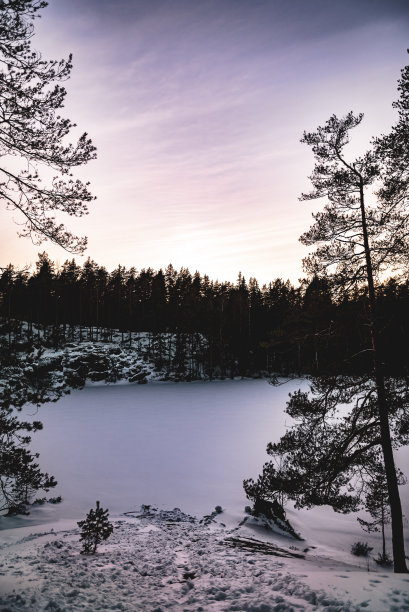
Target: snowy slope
169,561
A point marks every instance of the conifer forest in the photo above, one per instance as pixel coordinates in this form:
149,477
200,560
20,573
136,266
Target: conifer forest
236,329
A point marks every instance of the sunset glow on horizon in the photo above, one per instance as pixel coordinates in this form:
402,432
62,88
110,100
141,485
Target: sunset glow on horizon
197,109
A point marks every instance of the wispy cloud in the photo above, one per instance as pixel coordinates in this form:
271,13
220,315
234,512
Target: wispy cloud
197,109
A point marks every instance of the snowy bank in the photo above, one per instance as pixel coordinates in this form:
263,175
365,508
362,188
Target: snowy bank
170,561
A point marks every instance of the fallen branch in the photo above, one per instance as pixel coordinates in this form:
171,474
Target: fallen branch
261,547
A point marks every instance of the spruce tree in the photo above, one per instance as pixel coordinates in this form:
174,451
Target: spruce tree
94,529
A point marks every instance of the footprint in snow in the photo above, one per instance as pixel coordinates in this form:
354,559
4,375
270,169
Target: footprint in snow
189,575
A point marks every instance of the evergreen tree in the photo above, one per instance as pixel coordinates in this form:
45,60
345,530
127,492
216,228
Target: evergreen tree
69,293
33,130
20,474
356,242
116,291
26,379
94,529
377,503
88,293
144,283
40,287
158,304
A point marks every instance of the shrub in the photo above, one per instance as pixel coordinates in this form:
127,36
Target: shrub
384,560
361,549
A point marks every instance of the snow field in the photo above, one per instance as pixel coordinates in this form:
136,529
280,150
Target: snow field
174,563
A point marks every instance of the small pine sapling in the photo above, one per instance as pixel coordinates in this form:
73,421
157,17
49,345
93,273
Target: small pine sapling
377,505
384,560
94,529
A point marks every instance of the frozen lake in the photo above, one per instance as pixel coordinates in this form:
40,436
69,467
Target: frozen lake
186,444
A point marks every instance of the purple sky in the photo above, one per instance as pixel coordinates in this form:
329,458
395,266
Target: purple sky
197,108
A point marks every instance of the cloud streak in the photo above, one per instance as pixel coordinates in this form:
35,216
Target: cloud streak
197,109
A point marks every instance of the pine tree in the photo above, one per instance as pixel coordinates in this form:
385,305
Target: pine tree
94,529
377,503
24,381
20,474
33,130
357,239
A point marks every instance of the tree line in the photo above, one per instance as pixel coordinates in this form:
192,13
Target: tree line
248,329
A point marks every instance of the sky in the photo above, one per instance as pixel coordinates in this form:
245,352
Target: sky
197,108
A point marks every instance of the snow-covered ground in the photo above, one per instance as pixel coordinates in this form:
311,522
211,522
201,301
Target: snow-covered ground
186,445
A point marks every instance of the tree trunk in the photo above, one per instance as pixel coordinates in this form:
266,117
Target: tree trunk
383,533
398,545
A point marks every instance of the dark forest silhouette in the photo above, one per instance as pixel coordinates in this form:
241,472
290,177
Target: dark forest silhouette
247,330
